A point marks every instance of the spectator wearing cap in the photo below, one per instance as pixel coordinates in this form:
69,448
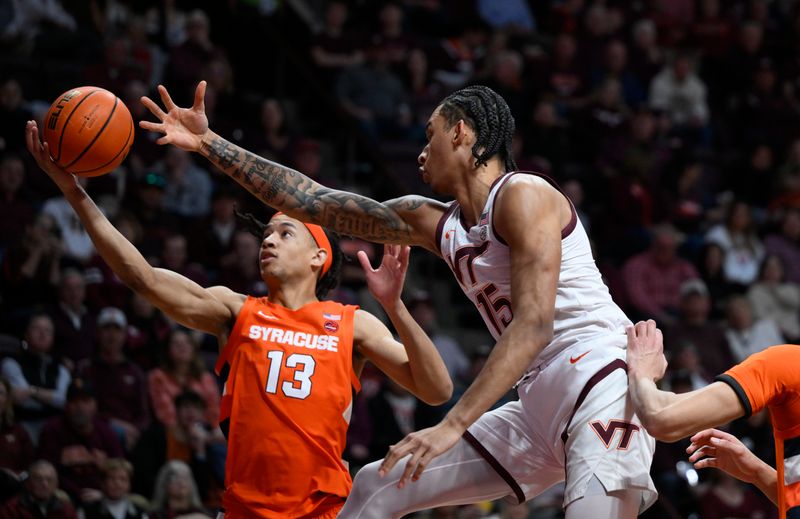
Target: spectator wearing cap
120,384
654,277
41,498
116,501
78,442
38,380
694,328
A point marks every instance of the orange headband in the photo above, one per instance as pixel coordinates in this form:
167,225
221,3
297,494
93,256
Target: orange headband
321,239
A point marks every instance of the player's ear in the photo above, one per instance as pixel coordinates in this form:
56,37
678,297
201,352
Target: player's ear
320,257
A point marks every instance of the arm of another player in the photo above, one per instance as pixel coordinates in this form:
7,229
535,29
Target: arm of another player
209,310
669,416
714,448
408,220
415,364
535,265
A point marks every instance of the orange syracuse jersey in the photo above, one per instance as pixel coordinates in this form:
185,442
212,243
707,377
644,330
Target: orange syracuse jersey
285,409
771,379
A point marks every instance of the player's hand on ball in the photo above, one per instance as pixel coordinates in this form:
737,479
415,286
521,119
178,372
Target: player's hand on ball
183,127
646,351
423,446
41,153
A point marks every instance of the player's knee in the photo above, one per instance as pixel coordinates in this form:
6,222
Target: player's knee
366,480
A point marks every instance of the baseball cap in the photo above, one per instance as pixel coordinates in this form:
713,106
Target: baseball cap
693,286
80,388
112,316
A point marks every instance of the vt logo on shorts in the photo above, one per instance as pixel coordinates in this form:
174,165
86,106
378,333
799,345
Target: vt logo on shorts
606,432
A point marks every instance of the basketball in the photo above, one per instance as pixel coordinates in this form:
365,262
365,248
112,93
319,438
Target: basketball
89,131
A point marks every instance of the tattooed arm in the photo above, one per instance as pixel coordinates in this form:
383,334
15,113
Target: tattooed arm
407,220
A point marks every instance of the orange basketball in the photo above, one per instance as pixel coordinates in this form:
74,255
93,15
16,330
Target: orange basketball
89,131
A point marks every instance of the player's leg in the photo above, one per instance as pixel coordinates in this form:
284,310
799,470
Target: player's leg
459,476
619,504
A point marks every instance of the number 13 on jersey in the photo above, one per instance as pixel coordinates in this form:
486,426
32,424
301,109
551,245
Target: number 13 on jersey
300,385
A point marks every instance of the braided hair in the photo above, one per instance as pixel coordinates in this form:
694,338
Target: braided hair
487,113
330,279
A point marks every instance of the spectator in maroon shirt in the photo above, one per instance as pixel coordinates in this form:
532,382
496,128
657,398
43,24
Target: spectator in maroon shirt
654,277
40,499
16,448
74,323
120,384
78,443
786,244
16,209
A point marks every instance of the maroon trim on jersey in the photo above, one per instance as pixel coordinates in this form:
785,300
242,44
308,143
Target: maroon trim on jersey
596,378
440,225
573,220
500,469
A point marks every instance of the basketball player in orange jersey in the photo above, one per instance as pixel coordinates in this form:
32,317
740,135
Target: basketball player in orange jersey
767,379
290,361
519,252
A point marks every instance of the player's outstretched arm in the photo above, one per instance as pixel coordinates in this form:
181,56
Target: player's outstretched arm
415,364
407,220
715,448
669,416
209,310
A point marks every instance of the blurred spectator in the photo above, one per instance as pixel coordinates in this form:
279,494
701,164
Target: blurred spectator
686,196
116,501
548,138
740,243
191,439
332,50
31,267
754,179
148,332
13,115
74,324
693,328
394,413
786,244
505,77
561,79
373,95
423,310
181,369
455,59
120,384
240,270
38,380
603,120
77,246
147,206
117,67
187,59
41,498
711,267
647,57
680,92
144,150
25,21
654,278
213,237
176,493
745,333
743,59
16,209
424,92
712,31
391,35
685,364
16,447
175,257
146,58
78,443
615,66
788,178
188,187
512,16
274,133
775,298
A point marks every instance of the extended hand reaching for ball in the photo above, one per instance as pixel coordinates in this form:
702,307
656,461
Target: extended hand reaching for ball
183,127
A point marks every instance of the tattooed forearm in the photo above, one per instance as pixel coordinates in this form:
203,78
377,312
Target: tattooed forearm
299,196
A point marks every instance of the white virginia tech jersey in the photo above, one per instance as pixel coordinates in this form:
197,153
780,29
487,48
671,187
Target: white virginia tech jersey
481,262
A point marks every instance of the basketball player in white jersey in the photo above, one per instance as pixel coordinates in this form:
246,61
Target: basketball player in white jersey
518,251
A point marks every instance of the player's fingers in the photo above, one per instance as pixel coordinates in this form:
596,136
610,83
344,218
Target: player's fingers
163,140
200,97
703,452
364,260
630,331
651,328
411,464
169,104
706,463
405,253
395,454
423,462
703,436
153,127
30,130
153,107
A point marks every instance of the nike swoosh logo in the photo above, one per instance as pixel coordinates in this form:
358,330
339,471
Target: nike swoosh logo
265,316
573,360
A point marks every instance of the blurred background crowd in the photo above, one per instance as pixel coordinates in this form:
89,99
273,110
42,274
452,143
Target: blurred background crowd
673,125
